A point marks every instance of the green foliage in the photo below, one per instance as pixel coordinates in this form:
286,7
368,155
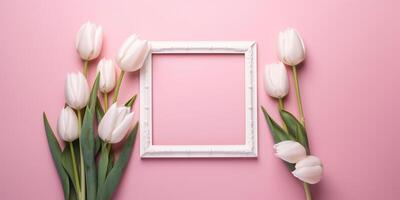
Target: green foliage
113,178
296,129
87,142
56,153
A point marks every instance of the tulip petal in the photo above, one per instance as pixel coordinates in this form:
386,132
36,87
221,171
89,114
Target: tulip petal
107,123
127,43
311,175
308,162
98,41
290,151
135,56
122,129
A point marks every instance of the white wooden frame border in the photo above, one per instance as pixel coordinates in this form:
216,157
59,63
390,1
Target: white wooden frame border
249,149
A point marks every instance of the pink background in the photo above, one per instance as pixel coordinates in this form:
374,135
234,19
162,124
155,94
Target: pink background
350,86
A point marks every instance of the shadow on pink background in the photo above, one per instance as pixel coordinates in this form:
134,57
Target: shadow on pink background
350,86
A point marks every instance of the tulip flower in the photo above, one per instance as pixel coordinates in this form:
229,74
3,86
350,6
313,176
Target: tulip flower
290,151
309,170
115,124
107,75
291,48
77,90
276,82
89,40
67,125
132,54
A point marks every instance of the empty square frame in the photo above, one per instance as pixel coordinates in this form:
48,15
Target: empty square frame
248,149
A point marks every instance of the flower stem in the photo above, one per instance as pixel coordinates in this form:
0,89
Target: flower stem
299,104
121,76
281,106
75,169
85,68
105,102
83,184
307,191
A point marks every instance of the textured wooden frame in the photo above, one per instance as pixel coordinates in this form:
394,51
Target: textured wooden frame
249,149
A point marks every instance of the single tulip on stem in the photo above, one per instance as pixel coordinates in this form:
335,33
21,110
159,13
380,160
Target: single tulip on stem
68,129
88,43
106,69
130,58
291,51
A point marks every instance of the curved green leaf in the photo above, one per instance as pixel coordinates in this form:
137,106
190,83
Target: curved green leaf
131,101
114,177
68,164
278,134
87,142
103,165
295,128
57,157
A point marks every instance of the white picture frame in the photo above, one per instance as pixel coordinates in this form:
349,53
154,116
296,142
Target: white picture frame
248,149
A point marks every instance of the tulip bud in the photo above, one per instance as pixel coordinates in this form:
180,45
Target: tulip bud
89,40
115,124
107,75
309,170
290,151
132,54
291,48
76,90
276,82
67,125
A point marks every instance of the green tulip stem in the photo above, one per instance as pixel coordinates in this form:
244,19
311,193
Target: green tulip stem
299,104
307,191
83,184
105,102
121,76
75,169
281,106
85,68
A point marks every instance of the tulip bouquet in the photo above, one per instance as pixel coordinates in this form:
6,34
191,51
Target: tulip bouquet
87,166
291,142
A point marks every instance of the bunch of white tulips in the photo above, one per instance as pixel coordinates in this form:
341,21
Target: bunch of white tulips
291,142
91,180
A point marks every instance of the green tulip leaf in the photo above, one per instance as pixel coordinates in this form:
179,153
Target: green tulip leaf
296,129
277,132
99,111
87,142
110,162
97,145
73,195
56,153
68,164
114,177
131,101
103,164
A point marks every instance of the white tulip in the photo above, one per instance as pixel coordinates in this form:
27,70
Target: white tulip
276,81
89,40
107,75
115,124
290,151
132,54
67,125
291,48
77,90
309,170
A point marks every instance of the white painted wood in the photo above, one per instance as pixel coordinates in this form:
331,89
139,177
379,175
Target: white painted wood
249,149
